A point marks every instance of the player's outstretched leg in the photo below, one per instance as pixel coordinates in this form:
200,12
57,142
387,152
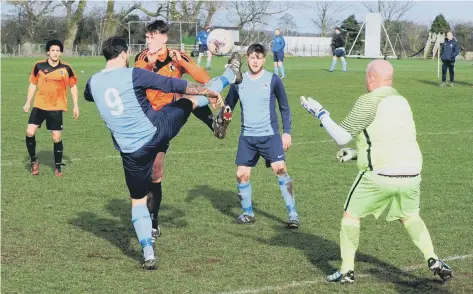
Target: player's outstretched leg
222,121
349,240
142,222
205,115
419,234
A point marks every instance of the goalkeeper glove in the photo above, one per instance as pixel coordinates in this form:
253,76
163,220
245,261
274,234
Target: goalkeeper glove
346,154
314,107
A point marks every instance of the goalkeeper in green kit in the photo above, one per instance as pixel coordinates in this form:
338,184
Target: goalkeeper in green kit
390,164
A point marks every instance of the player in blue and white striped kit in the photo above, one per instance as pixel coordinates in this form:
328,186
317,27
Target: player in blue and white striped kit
138,131
259,93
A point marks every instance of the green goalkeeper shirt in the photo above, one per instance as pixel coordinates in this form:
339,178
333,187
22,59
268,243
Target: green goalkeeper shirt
385,132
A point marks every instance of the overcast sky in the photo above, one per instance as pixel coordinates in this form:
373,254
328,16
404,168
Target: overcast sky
423,12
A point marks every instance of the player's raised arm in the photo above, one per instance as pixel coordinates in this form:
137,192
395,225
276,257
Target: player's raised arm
196,72
339,134
284,108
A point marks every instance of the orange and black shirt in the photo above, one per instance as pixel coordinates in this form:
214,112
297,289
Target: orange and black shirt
52,84
166,66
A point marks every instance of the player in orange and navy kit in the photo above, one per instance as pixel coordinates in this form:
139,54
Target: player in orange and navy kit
172,63
51,76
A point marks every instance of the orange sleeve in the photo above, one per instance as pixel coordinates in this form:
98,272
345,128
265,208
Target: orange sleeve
143,64
34,75
195,71
72,81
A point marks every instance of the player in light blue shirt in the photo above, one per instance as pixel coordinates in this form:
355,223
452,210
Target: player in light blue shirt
259,93
278,45
138,131
201,39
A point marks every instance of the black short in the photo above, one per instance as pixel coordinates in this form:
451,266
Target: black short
53,118
203,48
138,165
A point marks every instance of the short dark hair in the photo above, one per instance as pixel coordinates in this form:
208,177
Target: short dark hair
114,46
54,43
157,26
256,48
338,29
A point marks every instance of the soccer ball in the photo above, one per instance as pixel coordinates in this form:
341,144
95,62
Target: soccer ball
220,42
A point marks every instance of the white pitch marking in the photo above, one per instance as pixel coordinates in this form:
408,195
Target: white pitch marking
295,284
19,162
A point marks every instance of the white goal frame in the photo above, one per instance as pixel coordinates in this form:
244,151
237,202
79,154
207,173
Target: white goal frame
364,56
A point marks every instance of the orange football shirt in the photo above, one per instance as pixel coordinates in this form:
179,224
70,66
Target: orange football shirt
52,84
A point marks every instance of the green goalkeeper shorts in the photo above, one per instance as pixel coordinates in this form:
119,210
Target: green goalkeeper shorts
372,194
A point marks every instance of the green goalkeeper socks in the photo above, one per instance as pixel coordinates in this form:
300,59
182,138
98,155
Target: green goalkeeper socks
349,239
419,234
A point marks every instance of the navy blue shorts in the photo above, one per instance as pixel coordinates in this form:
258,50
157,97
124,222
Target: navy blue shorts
278,56
251,148
339,53
138,165
203,48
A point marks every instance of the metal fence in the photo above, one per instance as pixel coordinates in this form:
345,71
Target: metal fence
40,50
94,50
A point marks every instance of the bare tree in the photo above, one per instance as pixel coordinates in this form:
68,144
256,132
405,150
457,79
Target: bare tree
287,23
326,15
390,10
211,7
100,18
32,14
254,12
114,20
415,35
72,19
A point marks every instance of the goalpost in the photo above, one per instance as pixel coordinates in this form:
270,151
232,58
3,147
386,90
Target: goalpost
177,35
373,24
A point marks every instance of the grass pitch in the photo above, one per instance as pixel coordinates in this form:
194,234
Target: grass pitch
74,234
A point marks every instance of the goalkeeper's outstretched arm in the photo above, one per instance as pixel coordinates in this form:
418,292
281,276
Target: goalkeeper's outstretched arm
339,134
359,118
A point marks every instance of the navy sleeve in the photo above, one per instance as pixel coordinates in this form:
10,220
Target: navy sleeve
280,92
232,97
88,92
149,80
